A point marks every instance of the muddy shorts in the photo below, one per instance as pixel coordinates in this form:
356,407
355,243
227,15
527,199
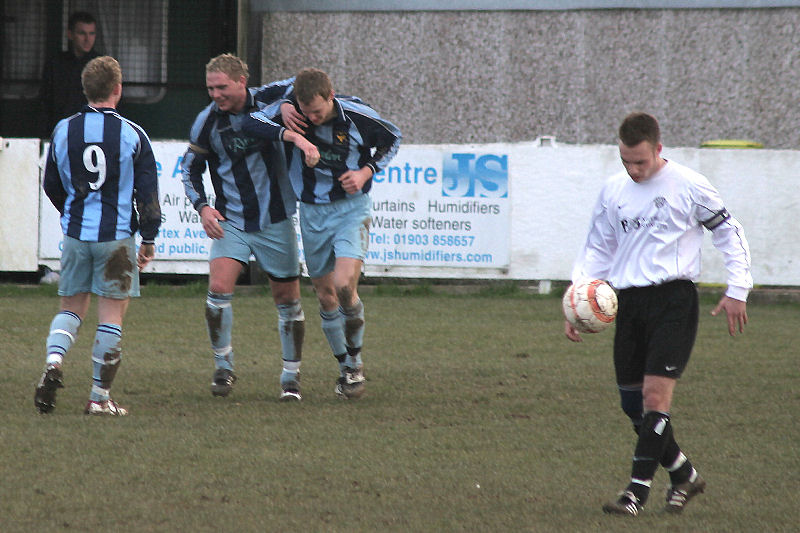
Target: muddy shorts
274,248
106,269
337,229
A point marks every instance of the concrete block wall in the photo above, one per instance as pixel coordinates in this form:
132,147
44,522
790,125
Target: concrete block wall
512,76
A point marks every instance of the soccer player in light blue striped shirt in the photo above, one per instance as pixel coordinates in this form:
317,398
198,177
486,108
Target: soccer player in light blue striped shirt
251,213
354,143
101,176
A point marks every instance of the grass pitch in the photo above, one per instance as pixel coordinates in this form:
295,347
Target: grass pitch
479,416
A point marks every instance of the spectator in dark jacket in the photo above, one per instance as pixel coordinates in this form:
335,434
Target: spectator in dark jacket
62,94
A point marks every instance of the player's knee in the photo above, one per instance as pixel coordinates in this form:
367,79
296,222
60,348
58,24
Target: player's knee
655,398
284,290
222,285
346,295
326,294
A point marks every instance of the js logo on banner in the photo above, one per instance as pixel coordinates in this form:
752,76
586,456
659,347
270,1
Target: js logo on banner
473,175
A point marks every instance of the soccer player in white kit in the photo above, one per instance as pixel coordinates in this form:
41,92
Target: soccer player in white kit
645,239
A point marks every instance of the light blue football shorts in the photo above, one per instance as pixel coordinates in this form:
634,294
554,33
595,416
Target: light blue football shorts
107,269
337,229
274,248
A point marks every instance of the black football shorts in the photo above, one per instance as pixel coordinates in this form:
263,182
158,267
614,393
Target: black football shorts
656,330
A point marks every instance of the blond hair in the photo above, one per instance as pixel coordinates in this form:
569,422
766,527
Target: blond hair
99,78
228,64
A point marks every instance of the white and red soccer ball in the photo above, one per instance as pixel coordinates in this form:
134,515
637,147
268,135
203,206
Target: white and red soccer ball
590,305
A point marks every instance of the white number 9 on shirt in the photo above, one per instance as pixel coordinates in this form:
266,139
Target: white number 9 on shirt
94,159
590,305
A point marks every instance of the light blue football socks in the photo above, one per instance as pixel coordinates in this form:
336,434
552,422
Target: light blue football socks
219,320
291,328
333,328
106,357
353,333
63,333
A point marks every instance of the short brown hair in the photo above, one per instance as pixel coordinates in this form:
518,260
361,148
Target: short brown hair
83,17
311,82
638,127
99,77
230,65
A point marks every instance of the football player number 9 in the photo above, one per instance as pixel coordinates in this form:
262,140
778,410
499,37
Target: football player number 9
94,159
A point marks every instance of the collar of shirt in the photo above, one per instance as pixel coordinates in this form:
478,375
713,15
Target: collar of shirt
91,109
340,117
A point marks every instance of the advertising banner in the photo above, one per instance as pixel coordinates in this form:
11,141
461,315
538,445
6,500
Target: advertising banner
433,206
441,207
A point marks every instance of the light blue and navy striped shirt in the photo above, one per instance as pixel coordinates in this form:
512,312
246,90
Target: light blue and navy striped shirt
248,173
355,138
97,165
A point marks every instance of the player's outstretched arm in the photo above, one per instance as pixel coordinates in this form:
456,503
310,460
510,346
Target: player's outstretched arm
571,333
735,310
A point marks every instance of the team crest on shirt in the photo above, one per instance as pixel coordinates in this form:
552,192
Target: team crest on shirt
341,137
660,202
240,144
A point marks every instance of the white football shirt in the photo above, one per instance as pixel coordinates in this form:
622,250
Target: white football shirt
649,233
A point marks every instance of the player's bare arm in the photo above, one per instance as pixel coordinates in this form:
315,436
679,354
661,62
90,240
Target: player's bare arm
310,152
292,118
735,310
210,218
353,180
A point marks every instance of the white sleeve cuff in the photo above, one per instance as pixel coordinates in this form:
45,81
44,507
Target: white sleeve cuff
737,293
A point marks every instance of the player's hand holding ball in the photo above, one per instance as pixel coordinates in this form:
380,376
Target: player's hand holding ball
590,306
